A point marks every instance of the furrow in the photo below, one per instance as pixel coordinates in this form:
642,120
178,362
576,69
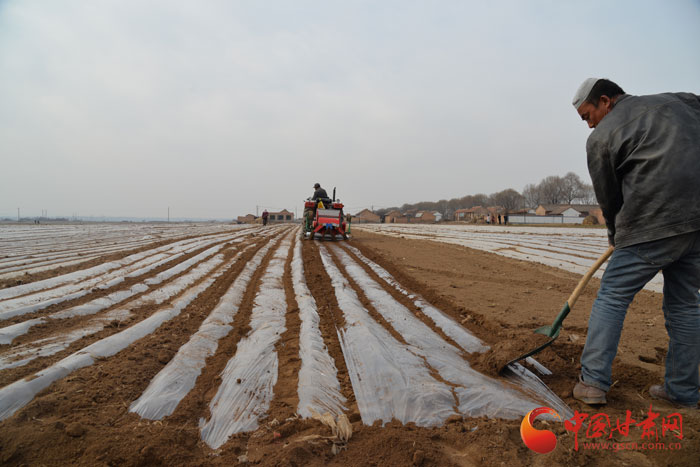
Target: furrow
18,394
461,336
178,377
478,394
388,379
248,379
318,387
520,376
109,274
23,354
39,301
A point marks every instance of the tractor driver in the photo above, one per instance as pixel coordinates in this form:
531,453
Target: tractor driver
319,194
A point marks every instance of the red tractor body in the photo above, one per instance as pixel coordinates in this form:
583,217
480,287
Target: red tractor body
327,220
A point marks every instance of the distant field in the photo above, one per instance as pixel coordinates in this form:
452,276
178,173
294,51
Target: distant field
573,249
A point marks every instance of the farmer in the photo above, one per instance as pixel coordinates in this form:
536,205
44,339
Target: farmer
319,193
644,161
265,215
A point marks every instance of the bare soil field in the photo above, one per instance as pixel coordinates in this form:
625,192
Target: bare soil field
252,346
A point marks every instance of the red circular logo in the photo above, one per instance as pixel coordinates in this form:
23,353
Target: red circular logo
540,441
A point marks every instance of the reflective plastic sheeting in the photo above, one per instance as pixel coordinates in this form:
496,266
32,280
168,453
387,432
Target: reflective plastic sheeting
178,377
16,395
479,394
462,337
389,380
101,279
53,344
249,377
318,387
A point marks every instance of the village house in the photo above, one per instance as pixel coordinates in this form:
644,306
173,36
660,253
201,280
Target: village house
571,211
461,214
279,217
395,217
427,217
365,216
496,211
247,219
475,214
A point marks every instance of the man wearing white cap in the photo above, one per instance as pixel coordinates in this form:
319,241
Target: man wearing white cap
644,161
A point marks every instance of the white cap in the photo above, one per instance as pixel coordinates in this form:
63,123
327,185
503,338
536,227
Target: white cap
583,91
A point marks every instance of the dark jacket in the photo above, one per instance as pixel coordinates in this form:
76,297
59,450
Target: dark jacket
644,161
320,194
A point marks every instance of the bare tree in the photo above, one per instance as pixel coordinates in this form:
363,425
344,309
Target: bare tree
480,199
508,199
588,195
552,189
532,196
443,207
572,188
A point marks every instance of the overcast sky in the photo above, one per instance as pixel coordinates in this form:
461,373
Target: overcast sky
211,108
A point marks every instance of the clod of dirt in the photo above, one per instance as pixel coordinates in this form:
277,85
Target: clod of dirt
418,457
454,419
298,455
148,452
75,430
163,357
492,361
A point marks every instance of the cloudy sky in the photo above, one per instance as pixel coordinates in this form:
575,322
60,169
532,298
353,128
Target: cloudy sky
211,108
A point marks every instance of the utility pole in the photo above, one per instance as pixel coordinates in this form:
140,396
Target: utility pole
256,210
168,213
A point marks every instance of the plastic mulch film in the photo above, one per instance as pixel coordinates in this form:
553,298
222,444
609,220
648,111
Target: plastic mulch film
461,336
389,380
250,376
518,375
101,279
178,377
25,353
478,395
318,387
23,305
10,333
18,394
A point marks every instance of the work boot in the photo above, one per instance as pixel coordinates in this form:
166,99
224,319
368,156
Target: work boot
657,391
591,395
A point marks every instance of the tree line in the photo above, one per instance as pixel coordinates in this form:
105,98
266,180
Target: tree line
569,189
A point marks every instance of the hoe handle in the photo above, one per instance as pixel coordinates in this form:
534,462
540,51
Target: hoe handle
587,277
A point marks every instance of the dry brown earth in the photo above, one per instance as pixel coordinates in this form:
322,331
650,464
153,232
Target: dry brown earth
83,419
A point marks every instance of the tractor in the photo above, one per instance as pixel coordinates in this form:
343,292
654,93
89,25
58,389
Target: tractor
324,217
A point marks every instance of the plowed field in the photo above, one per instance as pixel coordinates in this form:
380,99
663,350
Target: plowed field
217,345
